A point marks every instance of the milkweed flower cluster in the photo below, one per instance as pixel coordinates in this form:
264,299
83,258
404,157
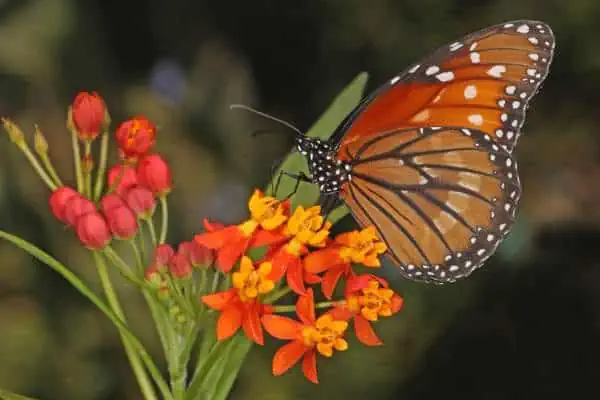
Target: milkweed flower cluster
229,283
298,255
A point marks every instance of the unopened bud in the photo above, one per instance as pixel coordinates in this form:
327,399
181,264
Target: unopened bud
40,144
14,132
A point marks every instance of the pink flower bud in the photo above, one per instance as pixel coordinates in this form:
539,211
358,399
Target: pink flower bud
141,201
92,231
135,137
155,174
121,222
58,201
179,266
126,175
198,255
76,207
88,113
111,201
162,255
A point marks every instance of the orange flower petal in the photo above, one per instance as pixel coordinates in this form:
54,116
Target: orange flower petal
309,366
330,280
295,277
282,327
311,279
397,303
218,238
321,260
267,238
229,322
228,255
212,226
305,308
365,333
251,325
217,301
340,313
280,262
287,356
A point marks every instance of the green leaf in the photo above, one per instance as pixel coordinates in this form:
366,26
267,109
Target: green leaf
341,106
6,395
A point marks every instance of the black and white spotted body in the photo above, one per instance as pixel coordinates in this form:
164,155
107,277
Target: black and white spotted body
327,172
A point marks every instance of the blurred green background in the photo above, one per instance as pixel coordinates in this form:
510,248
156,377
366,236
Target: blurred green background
525,326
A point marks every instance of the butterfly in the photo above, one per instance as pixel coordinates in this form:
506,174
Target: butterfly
427,158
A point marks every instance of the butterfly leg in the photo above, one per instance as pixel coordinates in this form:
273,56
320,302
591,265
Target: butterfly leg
275,182
301,177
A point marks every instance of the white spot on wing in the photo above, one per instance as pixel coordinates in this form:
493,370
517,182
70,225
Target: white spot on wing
414,69
475,58
475,119
394,80
445,76
470,92
432,70
496,71
523,28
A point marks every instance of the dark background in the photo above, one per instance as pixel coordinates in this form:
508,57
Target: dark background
525,326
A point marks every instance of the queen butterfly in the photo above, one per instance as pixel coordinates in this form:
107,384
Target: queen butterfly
426,158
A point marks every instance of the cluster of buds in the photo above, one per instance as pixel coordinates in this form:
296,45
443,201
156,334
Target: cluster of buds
297,255
133,184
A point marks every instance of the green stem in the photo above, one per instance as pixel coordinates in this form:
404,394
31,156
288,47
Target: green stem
276,295
89,294
38,168
292,308
50,167
150,224
165,219
123,267
6,395
77,159
136,365
102,167
87,177
215,281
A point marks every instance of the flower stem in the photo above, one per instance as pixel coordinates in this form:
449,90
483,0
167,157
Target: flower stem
80,286
276,295
87,177
292,308
165,219
76,157
152,231
136,365
37,167
102,167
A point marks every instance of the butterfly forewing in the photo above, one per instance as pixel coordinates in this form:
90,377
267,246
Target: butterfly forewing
441,198
484,81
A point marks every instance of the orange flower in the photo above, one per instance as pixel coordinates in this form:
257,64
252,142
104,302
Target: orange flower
309,336
306,227
359,247
240,305
263,228
367,298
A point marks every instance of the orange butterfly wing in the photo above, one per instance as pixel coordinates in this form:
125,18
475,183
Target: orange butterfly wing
483,81
441,198
431,150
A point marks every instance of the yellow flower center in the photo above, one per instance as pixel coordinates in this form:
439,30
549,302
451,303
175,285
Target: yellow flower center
265,211
251,282
362,247
308,227
326,335
372,302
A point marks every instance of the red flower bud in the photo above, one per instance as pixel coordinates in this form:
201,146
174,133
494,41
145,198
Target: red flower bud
180,266
135,137
110,201
92,231
141,201
162,255
88,114
123,176
76,207
198,255
58,201
122,222
154,173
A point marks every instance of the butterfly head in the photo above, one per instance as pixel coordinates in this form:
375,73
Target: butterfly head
326,171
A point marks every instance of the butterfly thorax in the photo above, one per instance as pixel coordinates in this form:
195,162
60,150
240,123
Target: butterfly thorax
326,171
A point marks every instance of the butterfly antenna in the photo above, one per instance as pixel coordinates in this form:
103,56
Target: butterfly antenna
267,116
